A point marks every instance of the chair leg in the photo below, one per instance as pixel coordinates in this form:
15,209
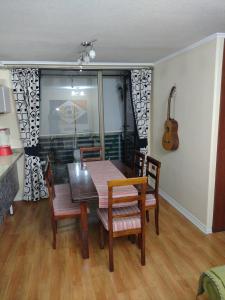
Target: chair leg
84,229
139,240
111,264
147,215
102,236
132,238
157,220
142,248
54,226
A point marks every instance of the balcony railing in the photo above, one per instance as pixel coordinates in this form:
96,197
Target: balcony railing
60,149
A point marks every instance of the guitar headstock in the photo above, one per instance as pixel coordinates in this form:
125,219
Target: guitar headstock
173,91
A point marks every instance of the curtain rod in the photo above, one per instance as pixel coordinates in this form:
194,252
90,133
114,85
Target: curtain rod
74,66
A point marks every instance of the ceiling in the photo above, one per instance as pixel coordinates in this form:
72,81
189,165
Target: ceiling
126,30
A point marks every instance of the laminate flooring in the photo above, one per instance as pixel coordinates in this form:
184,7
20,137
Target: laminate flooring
31,270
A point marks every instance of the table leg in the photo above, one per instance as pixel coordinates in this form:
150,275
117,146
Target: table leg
84,230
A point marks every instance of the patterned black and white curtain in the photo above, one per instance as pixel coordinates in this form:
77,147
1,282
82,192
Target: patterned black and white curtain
141,96
26,91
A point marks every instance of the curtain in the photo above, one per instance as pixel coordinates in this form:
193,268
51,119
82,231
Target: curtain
26,91
141,96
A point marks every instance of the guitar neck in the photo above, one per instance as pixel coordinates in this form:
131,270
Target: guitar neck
168,108
172,92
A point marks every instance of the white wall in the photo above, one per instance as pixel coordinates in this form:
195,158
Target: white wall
9,120
188,174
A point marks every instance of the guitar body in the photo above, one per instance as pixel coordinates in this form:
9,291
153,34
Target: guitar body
170,139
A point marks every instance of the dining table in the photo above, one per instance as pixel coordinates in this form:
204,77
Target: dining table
86,186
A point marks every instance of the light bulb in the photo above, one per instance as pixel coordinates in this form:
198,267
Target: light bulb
74,93
92,53
82,93
86,59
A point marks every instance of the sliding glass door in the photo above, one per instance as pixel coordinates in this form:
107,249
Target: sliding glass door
119,124
69,117
129,128
84,109
113,115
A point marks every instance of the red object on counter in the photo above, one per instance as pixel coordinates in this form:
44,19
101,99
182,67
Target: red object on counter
5,150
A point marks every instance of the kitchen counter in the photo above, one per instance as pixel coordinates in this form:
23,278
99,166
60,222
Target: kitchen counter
9,183
7,162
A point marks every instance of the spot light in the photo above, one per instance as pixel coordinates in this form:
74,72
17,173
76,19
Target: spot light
87,52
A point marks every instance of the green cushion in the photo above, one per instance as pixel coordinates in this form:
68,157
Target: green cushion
213,283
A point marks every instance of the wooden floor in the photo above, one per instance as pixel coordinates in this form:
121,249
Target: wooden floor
31,269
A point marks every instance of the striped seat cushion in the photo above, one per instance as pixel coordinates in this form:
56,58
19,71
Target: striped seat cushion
150,200
63,205
62,189
120,224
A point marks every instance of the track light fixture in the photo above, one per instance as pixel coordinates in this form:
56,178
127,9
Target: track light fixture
87,53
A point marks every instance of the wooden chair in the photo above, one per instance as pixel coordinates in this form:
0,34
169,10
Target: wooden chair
123,221
138,164
63,188
60,202
91,150
152,193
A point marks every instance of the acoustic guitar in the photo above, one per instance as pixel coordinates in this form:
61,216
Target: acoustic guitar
170,140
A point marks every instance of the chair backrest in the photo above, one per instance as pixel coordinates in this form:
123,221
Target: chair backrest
47,171
50,182
153,170
140,197
48,176
138,164
91,154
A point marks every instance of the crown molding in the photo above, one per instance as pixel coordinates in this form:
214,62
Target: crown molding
72,65
192,46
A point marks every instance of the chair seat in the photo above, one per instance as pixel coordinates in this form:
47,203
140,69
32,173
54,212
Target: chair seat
63,205
120,224
150,200
62,189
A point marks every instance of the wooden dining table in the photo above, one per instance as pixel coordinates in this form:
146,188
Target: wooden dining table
83,190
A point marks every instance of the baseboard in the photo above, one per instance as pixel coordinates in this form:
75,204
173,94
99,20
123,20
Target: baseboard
186,213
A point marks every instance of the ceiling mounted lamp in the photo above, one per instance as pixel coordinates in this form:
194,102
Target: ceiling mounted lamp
87,53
